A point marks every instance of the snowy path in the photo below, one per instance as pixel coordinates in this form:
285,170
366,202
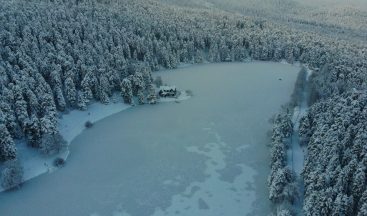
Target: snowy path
296,155
296,152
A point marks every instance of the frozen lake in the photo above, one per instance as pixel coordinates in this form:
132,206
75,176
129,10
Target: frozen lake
204,156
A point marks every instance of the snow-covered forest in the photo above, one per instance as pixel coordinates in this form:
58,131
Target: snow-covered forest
335,169
332,18
56,56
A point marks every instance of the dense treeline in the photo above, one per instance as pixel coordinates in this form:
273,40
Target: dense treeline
61,55
335,169
336,19
281,180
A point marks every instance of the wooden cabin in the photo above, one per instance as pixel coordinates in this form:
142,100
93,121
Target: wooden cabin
167,91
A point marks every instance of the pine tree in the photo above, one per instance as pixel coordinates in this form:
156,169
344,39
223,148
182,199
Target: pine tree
7,146
33,131
10,119
126,91
70,91
52,143
81,101
104,90
342,205
363,210
60,100
138,84
20,106
141,97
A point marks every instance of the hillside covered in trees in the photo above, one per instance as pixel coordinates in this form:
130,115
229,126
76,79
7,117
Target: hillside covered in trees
335,170
57,56
331,18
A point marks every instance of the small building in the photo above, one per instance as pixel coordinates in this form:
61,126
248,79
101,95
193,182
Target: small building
167,91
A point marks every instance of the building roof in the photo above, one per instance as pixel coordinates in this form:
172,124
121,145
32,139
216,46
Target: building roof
167,88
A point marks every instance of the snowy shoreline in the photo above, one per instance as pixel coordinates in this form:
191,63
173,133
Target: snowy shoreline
296,153
70,126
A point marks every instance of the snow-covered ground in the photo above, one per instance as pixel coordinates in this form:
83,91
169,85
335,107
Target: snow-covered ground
203,156
73,123
296,153
70,126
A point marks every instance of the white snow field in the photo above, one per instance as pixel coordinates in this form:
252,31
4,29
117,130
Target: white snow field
204,156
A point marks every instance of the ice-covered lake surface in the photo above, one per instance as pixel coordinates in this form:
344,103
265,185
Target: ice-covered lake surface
204,156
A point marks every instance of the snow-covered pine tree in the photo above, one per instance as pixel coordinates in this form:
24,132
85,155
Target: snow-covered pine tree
104,89
7,147
70,91
81,101
33,131
126,91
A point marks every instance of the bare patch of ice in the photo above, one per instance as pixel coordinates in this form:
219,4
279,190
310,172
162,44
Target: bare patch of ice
210,196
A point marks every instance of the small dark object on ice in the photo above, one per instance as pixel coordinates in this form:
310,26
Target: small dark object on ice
88,124
59,162
280,79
